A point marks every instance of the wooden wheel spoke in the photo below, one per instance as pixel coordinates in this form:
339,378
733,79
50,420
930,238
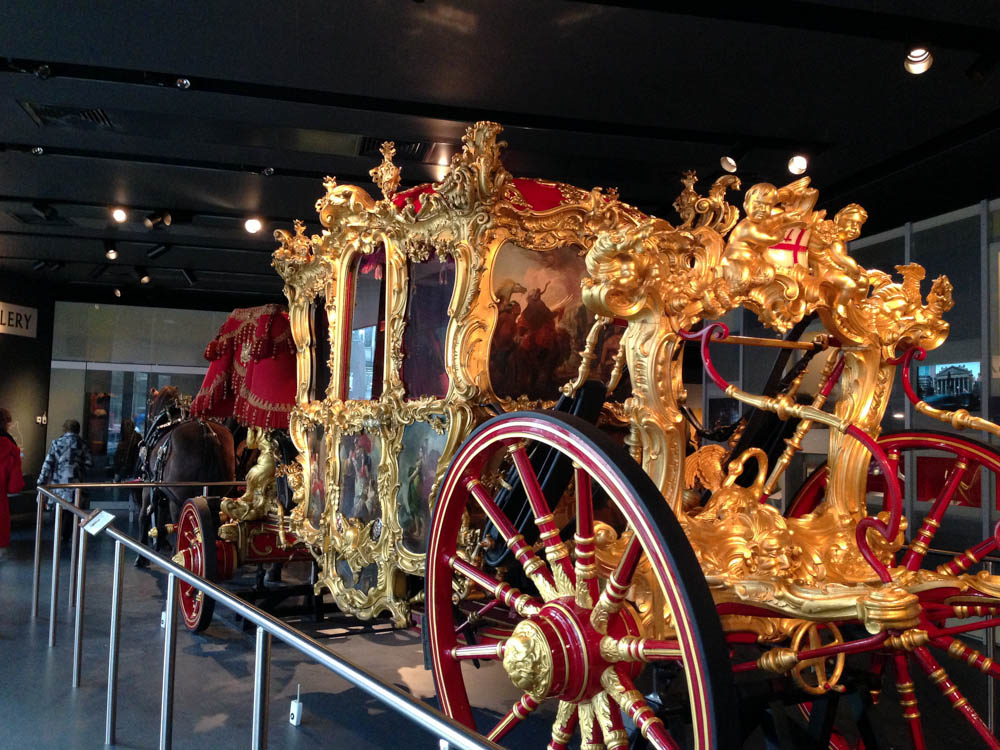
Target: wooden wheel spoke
555,550
533,566
523,604
937,674
631,648
585,567
908,701
620,688
610,720
958,650
617,586
515,716
563,726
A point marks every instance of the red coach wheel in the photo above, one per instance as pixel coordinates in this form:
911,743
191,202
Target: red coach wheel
198,551
574,644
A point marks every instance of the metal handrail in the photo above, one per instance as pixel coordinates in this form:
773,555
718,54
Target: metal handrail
430,719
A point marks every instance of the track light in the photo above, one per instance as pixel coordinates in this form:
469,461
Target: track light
189,276
157,219
253,225
38,150
157,251
728,163
798,164
119,214
918,60
44,210
110,251
142,274
183,83
118,292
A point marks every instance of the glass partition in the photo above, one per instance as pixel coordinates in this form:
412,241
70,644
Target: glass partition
366,289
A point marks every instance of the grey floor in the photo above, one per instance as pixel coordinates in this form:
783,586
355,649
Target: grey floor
40,709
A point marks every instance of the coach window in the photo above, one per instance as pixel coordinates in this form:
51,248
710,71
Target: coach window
364,340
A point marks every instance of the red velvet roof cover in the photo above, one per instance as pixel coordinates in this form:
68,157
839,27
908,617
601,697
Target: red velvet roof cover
251,374
527,194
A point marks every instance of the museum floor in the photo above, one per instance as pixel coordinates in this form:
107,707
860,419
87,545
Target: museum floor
213,694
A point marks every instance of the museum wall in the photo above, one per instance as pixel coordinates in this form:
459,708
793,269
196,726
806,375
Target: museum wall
24,368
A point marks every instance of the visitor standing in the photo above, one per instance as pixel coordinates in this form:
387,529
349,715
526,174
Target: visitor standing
11,479
67,460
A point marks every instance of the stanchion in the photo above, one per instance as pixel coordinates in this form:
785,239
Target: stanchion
36,573
261,685
71,598
111,714
81,582
55,575
169,650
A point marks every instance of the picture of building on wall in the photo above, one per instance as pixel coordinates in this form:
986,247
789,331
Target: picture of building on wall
956,385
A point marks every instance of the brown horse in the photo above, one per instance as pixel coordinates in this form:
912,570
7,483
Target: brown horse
177,447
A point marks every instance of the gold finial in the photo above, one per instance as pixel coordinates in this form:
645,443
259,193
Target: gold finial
386,174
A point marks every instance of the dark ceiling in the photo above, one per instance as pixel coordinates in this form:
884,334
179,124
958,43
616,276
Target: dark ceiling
614,94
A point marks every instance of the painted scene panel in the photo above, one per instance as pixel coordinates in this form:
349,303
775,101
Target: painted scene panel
365,580
428,296
316,445
359,459
542,323
418,462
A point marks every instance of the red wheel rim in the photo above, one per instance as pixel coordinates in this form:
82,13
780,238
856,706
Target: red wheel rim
196,552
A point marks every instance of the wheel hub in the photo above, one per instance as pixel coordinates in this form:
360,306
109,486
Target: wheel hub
557,652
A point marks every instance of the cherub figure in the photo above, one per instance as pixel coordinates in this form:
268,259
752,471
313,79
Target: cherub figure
770,213
828,258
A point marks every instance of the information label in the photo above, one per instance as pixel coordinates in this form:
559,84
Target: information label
18,321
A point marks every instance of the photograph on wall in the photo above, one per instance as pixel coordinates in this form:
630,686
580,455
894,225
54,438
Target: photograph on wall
418,462
317,474
359,459
951,386
428,297
542,323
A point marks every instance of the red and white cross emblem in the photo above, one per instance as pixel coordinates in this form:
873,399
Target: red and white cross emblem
793,250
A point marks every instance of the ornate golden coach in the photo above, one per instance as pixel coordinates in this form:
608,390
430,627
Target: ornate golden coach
490,415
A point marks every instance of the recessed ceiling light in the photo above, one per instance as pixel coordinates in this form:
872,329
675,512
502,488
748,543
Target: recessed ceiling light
253,225
798,164
144,279
119,214
118,292
728,163
183,83
918,60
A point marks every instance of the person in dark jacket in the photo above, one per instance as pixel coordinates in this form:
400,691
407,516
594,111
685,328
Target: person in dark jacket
68,459
11,479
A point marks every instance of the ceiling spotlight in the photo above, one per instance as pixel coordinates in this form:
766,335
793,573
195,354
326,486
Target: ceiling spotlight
183,83
798,164
728,163
119,214
142,274
189,276
918,60
38,150
158,219
253,225
267,171
110,251
44,210
118,292
42,72
157,251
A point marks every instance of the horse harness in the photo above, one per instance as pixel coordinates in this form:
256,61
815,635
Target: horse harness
161,431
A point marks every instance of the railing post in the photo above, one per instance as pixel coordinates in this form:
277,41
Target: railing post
169,648
55,575
116,623
36,573
261,684
71,599
81,582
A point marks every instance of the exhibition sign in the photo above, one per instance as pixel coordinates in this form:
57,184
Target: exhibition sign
17,320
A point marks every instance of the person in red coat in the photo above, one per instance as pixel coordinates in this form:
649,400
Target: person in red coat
11,479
